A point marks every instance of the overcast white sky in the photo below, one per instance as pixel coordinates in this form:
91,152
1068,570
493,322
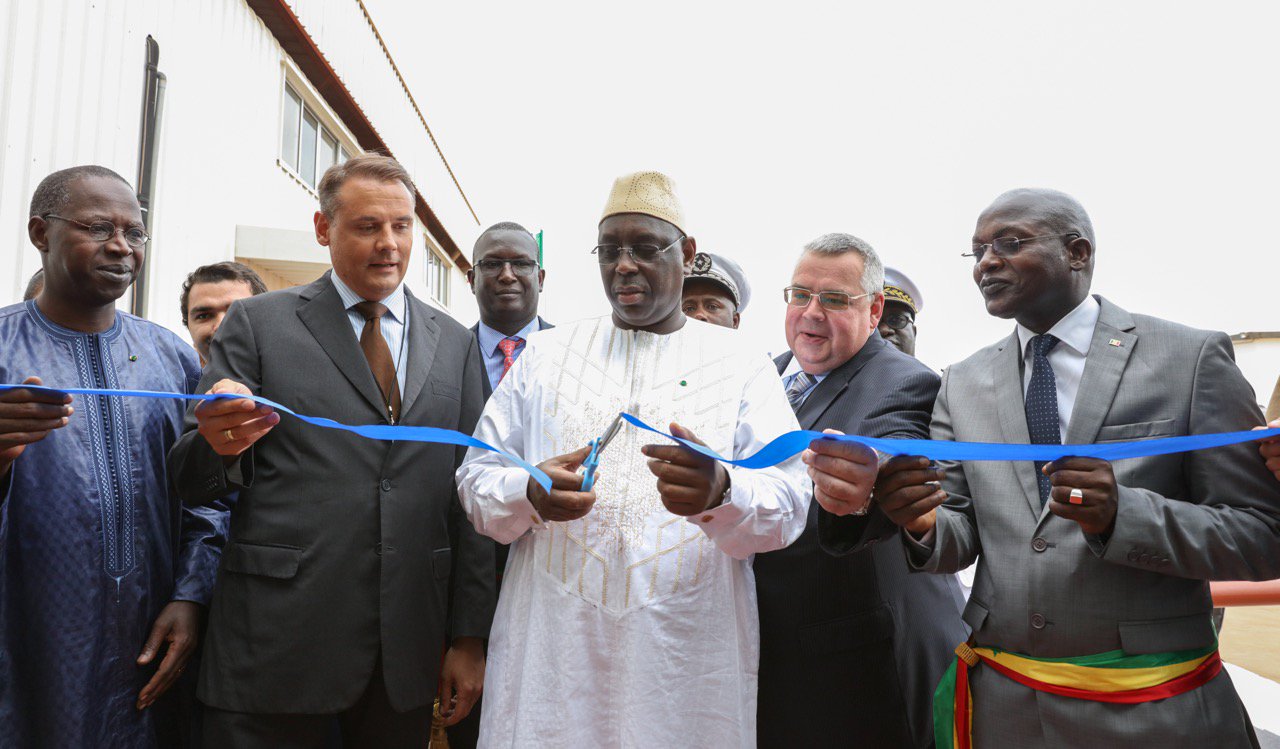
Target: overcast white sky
897,122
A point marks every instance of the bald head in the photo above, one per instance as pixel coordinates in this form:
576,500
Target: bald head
1048,271
1055,210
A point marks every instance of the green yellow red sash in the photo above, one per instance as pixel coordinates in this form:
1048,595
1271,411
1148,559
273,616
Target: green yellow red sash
1105,677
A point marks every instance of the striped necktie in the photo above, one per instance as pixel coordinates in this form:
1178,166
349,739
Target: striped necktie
798,388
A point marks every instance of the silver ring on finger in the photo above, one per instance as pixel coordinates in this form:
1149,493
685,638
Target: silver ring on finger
1076,497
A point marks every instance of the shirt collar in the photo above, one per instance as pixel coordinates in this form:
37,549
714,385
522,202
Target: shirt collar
1075,329
489,338
793,368
394,302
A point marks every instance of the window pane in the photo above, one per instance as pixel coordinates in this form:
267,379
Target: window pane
310,133
343,155
289,129
328,152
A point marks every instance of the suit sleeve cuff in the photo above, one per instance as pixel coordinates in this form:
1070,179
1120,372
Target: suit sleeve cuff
920,551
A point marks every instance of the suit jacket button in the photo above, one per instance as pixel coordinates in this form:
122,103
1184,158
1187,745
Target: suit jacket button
378,549
1133,555
1039,544
1037,621
385,485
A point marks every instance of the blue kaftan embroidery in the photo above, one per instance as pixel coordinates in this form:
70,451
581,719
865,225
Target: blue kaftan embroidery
93,544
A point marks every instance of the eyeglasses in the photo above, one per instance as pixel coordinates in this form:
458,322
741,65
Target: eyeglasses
103,231
834,301
1005,247
897,320
608,254
518,267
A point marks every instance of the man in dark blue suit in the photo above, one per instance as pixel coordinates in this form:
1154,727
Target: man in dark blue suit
851,647
506,278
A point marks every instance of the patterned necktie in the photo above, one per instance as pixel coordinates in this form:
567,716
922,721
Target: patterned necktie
1042,405
508,348
378,354
796,391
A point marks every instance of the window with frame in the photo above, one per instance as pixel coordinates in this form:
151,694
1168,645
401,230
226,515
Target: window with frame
306,145
437,277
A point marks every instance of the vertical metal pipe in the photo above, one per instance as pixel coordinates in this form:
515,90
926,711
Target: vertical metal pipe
148,144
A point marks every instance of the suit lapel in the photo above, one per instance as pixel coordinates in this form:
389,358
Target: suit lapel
424,334
836,382
323,314
1007,386
1108,355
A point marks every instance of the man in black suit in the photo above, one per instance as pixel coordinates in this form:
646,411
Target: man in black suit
851,647
351,558
506,278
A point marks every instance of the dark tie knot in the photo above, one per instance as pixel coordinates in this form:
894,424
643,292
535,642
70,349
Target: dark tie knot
370,310
1043,344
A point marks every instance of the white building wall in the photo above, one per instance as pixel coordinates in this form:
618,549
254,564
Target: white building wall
72,78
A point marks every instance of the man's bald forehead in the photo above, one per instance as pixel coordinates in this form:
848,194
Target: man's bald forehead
1056,209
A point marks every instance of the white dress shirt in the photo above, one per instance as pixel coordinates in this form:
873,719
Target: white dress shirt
394,324
1075,333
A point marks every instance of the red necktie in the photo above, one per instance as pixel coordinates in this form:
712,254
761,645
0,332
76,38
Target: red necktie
508,348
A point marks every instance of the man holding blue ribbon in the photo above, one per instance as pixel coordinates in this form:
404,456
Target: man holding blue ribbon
103,574
1090,611
627,615
350,561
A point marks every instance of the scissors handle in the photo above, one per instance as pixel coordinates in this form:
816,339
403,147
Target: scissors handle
589,466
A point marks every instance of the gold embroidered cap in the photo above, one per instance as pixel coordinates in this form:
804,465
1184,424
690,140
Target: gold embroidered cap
899,288
649,193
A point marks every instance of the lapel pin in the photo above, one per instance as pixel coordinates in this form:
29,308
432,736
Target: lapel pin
1115,342
133,357
683,383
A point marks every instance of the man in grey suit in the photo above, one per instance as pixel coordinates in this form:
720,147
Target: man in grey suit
855,629
350,558
1085,559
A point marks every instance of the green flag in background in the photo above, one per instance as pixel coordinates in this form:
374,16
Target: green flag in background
539,248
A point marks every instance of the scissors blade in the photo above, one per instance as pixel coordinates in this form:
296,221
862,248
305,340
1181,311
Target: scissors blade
614,427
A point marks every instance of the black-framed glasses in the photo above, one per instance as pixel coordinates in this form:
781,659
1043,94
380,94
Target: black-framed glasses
899,320
493,267
834,301
1005,247
608,254
103,231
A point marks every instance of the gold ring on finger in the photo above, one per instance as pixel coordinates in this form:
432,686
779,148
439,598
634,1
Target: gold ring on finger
228,436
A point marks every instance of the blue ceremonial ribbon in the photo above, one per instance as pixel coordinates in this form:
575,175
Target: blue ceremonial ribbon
384,432
777,451
793,443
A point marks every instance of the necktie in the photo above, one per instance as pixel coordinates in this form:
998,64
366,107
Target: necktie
508,348
1042,405
799,386
378,355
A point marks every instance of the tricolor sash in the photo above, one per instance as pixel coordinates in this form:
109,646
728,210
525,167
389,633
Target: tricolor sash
1105,677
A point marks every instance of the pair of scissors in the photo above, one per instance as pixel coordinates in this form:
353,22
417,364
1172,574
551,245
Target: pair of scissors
598,445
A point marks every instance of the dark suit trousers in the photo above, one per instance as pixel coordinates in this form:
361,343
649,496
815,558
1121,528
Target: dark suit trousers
369,723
